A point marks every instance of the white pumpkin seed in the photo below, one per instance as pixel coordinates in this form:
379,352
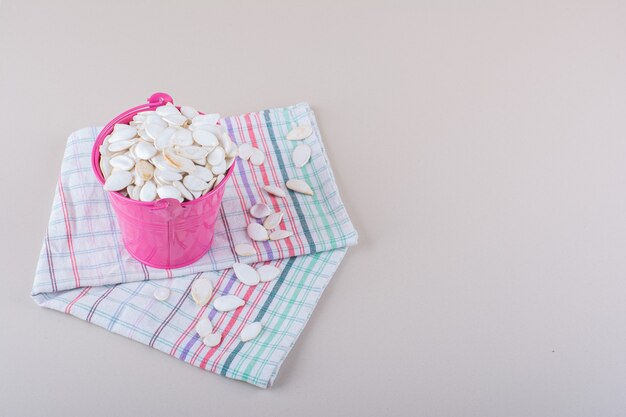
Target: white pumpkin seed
300,132
124,128
143,135
178,161
135,193
274,190
121,145
204,327
167,176
191,152
216,157
227,303
182,137
148,191
210,185
188,112
105,167
144,150
257,232
169,191
273,220
246,274
226,142
154,130
201,291
164,138
166,109
233,151
280,234
258,157
205,138
160,163
200,161
219,179
175,119
245,249
123,162
118,181
212,339
162,293
301,155
260,210
144,170
104,149
251,331
194,183
122,133
299,186
183,190
267,273
155,119
219,168
210,119
215,129
203,173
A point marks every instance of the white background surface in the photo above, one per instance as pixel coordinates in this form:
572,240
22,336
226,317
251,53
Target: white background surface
480,150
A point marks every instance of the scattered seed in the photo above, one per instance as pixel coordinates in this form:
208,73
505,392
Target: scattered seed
301,155
162,293
246,274
257,232
245,249
251,331
227,303
258,157
300,132
299,186
204,327
201,291
267,273
260,210
274,190
273,220
212,339
280,234
245,151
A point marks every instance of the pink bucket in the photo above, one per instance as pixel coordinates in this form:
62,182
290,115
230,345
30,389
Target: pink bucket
163,233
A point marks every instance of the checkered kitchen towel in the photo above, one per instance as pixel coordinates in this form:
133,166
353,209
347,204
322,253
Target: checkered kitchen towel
85,271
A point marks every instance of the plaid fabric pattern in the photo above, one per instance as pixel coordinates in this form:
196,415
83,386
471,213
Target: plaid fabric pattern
84,269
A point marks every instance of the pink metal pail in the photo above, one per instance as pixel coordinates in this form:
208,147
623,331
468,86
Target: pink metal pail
164,233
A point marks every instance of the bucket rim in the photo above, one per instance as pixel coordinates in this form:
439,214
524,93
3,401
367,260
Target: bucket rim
154,101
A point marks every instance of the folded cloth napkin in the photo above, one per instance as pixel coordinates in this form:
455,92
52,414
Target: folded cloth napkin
84,269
